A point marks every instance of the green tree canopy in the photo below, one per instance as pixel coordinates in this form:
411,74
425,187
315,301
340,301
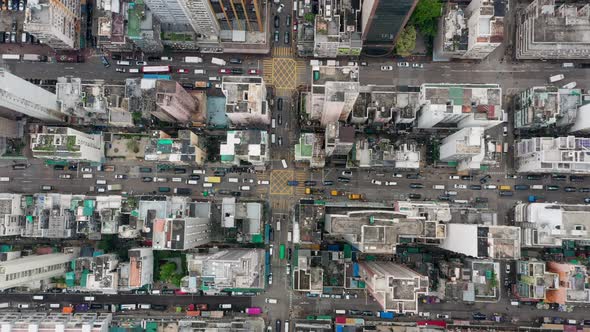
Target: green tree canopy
425,16
406,42
167,271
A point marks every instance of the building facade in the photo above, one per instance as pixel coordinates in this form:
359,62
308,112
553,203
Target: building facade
383,21
26,98
54,22
32,271
246,103
549,29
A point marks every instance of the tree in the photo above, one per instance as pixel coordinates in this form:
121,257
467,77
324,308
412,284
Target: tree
425,16
309,17
406,42
167,271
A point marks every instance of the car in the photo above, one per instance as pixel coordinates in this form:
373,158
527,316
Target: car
347,173
245,180
147,179
277,21
287,39
403,64
386,68
237,71
485,179
104,61
390,183
236,193
475,187
120,70
73,167
552,188
377,182
280,8
479,316
522,187
235,61
507,268
219,173
278,326
21,6
86,170
490,186
577,178
416,185
559,177
59,167
310,183
253,71
570,189
295,26
587,200
467,178
280,119
288,21
367,313
225,71
413,176
460,186
445,316
277,36
279,104
584,190
398,175
182,71
505,131
280,141
343,179
328,183
511,176
121,176
140,63
65,176
534,177
417,65
195,177
289,253
444,198
270,279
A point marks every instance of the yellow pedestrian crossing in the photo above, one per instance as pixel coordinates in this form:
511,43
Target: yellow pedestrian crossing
278,182
301,176
284,52
268,70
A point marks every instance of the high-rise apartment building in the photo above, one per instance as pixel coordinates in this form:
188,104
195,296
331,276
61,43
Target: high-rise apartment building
383,21
54,22
23,97
174,103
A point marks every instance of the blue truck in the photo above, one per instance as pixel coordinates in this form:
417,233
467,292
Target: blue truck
385,314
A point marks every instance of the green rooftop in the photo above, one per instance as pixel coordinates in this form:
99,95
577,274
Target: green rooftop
303,149
134,14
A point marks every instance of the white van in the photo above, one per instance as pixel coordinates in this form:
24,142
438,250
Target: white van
340,312
134,70
451,193
128,306
161,180
245,188
198,171
88,298
273,123
145,306
176,179
200,72
264,182
54,305
207,185
101,181
4,305
439,187
123,63
537,187
225,306
271,301
38,297
194,182
214,78
273,138
284,162
156,292
233,180
87,176
568,65
4,179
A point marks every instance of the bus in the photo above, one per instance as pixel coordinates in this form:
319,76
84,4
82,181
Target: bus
155,69
282,252
10,56
213,179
